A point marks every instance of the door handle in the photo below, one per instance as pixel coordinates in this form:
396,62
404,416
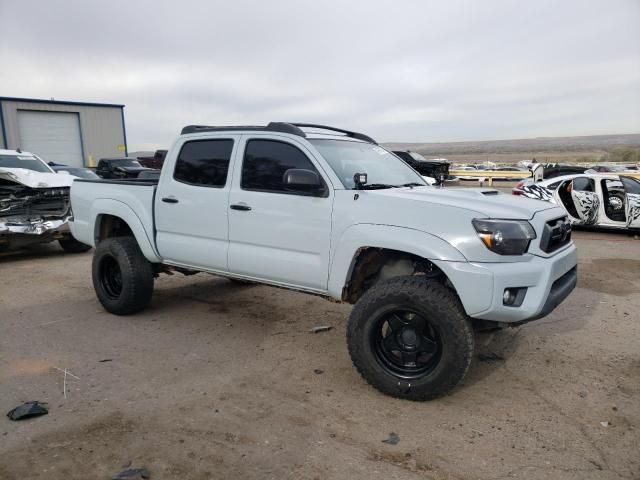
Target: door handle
170,200
240,206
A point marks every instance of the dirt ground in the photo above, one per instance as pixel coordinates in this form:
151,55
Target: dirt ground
216,380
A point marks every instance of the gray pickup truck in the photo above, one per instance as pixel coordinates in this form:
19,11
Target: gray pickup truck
329,212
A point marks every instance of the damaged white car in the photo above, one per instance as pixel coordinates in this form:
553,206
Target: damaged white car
34,203
590,199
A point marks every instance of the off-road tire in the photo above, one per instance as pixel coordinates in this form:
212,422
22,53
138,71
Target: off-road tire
442,309
136,276
71,245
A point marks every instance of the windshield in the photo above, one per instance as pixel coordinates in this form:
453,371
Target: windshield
125,162
347,158
79,172
417,156
28,162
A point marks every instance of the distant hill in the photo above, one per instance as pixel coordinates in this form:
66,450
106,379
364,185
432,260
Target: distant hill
540,144
552,149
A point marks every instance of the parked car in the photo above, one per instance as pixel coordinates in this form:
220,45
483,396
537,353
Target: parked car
34,203
336,215
467,168
436,169
595,200
78,172
606,169
118,168
155,162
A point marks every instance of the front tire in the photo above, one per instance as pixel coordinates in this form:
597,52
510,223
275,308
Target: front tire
71,245
410,338
122,276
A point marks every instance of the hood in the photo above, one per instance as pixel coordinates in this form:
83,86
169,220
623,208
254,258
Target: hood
487,202
34,179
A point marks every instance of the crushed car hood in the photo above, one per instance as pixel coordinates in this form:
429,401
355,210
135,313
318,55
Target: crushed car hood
33,179
487,201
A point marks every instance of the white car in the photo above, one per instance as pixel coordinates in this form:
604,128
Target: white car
592,199
34,203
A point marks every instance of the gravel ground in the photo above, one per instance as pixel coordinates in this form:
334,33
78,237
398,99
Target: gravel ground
218,380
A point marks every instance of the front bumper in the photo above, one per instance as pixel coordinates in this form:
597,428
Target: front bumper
9,226
481,286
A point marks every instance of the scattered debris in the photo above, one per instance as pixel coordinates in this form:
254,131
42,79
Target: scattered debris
132,474
106,360
490,357
321,328
318,371
392,439
28,410
605,424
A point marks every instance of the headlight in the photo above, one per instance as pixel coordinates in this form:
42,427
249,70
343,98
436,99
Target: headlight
505,237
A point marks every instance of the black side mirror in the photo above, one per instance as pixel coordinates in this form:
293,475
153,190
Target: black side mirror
302,180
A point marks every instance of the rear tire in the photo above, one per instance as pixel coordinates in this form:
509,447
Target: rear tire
410,338
122,276
71,245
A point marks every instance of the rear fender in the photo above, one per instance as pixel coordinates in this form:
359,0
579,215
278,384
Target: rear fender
104,206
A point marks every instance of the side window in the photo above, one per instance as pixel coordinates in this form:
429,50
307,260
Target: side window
204,162
583,184
266,161
631,185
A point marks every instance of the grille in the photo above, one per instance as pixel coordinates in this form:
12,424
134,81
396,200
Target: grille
32,203
556,234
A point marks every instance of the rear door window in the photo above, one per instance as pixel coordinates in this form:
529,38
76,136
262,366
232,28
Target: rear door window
204,162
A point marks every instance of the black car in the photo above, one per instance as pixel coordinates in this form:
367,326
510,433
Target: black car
437,169
117,168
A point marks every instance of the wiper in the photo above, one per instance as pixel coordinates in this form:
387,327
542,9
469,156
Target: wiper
412,184
375,186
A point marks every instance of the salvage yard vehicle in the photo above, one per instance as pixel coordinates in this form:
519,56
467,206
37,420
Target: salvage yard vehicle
34,203
113,168
334,214
436,169
590,199
79,172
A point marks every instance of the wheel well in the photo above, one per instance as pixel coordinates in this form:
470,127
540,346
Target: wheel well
111,226
371,265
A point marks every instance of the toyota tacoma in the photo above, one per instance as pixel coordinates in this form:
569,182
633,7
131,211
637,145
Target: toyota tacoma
330,212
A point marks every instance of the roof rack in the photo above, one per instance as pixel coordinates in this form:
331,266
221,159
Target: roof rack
282,127
348,133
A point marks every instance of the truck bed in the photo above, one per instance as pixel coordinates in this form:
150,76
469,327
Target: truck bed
131,200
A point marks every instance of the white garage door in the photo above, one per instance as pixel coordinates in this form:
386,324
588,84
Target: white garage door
53,136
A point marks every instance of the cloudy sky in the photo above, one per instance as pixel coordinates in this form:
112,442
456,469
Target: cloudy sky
398,70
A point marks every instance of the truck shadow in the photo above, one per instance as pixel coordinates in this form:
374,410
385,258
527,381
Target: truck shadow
37,252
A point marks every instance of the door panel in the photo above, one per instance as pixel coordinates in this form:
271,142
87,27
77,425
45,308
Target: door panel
633,210
192,204
587,205
276,235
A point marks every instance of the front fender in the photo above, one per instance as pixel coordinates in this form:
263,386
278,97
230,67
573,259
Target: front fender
390,237
108,206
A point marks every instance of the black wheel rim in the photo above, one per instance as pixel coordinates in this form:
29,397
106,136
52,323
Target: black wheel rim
406,344
111,277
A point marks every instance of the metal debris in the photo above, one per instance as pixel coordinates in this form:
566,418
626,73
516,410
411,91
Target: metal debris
392,439
132,474
321,328
28,410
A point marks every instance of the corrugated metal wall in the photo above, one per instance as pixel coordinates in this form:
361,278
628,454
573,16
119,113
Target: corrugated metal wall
101,127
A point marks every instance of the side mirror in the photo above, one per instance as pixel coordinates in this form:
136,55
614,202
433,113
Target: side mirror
299,179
